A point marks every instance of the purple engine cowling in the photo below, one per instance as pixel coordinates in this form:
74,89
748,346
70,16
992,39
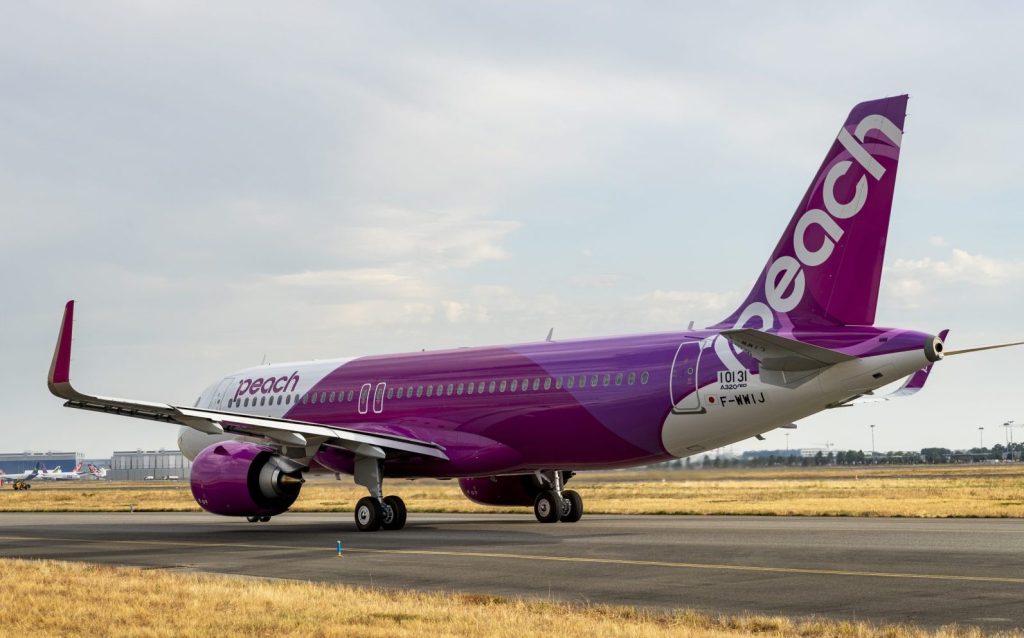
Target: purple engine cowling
233,478
504,490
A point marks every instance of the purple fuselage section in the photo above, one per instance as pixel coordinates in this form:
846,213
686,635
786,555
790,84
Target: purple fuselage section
612,415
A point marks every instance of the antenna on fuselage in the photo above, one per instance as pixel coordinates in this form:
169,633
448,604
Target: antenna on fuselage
690,327
551,333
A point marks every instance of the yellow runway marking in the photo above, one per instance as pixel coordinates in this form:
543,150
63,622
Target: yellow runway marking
541,557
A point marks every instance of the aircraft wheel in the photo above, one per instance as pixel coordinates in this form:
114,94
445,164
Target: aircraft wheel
368,514
264,519
547,507
572,506
395,513
253,519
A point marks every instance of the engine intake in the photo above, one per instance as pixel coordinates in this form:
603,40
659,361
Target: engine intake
233,478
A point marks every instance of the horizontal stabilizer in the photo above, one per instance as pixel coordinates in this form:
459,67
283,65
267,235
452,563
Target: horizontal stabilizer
784,362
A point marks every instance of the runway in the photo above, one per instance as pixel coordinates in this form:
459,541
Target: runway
925,571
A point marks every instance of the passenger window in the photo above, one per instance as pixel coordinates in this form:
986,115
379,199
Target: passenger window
401,391
419,391
263,400
460,389
607,379
279,397
430,390
618,379
331,398
470,387
547,383
644,377
246,401
391,392
558,383
287,399
350,392
378,398
408,392
570,381
490,387
593,380
480,388
514,386
583,381
323,397
526,385
632,378
440,389
451,388
536,384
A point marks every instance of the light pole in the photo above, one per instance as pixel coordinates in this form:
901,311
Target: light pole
872,443
787,443
981,437
1009,439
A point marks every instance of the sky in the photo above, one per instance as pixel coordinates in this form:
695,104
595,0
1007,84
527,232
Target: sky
220,184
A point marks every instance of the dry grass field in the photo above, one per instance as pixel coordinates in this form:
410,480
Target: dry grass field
913,491
120,601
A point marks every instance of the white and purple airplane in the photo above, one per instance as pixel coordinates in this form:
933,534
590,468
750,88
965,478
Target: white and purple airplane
514,423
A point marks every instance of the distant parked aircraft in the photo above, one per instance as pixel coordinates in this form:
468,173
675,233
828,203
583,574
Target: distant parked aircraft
96,472
57,475
20,481
514,423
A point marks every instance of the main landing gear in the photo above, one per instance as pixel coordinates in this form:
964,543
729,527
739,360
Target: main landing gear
555,504
257,519
376,511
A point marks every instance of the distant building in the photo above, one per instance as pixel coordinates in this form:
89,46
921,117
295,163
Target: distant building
16,462
142,465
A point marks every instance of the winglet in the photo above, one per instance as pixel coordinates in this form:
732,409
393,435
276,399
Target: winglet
59,379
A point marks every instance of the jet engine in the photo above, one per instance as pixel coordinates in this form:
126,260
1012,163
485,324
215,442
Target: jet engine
504,490
235,478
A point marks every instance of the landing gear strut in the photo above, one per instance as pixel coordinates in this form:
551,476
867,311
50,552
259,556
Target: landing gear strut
376,511
555,504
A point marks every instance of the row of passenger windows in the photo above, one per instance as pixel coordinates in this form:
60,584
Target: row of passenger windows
457,389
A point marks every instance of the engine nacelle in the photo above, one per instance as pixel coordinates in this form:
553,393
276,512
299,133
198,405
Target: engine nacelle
234,478
504,490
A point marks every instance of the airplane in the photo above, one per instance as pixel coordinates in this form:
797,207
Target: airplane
97,472
514,423
20,481
57,475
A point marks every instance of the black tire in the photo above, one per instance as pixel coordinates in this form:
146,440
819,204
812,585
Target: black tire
547,507
572,506
398,513
252,519
264,519
368,514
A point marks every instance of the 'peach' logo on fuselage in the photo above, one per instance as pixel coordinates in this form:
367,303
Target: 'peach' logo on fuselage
269,385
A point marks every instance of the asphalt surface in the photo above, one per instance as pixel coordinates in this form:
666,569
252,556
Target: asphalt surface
929,572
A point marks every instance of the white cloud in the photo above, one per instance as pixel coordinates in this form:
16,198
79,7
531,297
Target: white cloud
908,282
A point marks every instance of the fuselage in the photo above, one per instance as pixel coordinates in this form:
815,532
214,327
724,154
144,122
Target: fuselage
578,404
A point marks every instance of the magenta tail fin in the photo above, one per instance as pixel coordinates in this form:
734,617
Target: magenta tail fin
827,267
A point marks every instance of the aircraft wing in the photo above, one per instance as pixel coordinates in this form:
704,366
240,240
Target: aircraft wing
283,432
784,362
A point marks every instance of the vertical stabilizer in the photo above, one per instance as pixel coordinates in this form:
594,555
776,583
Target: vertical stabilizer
827,267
